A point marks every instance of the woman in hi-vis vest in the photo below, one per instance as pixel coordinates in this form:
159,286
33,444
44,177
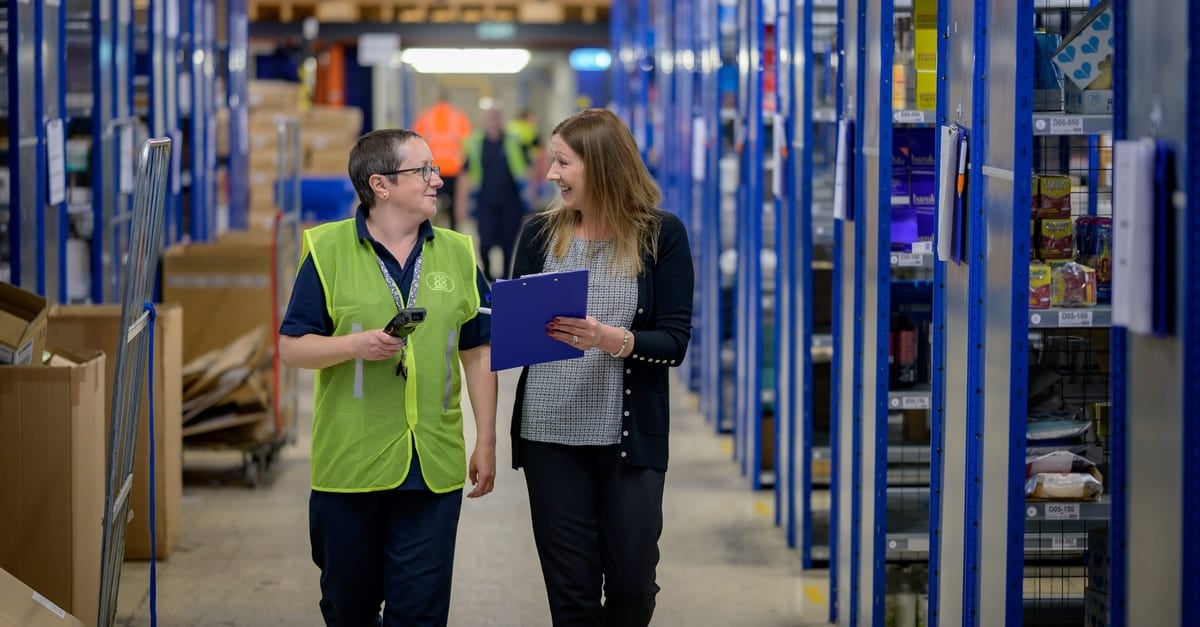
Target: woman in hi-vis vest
384,308
591,432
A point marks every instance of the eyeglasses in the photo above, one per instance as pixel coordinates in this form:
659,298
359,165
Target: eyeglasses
427,172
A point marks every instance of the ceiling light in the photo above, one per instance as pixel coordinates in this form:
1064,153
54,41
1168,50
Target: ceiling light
467,60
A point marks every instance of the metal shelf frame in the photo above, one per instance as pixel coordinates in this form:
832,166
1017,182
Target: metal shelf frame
748,413
27,111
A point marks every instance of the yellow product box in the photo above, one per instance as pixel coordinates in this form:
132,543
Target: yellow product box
1039,286
1053,196
925,14
927,82
1056,239
925,48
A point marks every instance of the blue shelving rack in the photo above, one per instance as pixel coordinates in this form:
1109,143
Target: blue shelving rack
748,417
233,75
32,30
197,99
847,373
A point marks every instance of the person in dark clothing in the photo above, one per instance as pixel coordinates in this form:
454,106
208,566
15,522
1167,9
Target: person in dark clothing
496,166
591,432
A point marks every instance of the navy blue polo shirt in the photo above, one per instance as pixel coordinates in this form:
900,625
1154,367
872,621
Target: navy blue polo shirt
308,314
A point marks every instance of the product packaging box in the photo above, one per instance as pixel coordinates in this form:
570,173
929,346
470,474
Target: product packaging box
1056,239
1054,196
901,192
927,82
1039,286
22,326
922,184
52,477
922,149
1086,51
96,328
1087,101
900,149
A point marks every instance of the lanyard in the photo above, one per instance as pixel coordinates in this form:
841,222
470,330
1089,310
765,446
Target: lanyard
391,283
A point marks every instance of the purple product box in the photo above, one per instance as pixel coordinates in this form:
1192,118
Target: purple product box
900,149
901,189
904,217
922,184
922,148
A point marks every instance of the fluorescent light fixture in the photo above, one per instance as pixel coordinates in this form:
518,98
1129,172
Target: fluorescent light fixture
467,60
590,59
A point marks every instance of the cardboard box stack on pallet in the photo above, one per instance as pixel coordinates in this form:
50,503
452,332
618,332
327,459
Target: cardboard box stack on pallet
328,134
225,288
270,103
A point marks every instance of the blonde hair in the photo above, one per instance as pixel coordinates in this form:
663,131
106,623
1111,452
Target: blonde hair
617,187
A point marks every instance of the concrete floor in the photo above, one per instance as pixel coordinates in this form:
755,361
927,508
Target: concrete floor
244,555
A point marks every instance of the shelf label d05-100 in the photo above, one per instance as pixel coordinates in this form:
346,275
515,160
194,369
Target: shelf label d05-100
1062,511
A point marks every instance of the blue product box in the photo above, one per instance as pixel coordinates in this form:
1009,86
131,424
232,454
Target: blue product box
900,149
922,148
901,191
922,184
904,227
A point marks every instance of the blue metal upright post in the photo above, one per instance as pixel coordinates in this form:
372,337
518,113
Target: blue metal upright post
104,190
236,90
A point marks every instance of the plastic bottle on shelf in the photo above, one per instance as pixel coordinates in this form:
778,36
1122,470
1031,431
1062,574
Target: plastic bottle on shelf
904,364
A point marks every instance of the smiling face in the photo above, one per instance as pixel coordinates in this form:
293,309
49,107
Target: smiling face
407,191
567,172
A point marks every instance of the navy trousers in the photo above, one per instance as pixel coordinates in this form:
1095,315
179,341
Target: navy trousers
596,524
394,547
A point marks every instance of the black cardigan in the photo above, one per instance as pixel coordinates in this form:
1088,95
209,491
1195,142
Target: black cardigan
662,328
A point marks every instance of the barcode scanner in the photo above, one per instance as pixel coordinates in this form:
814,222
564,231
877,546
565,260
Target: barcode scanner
405,322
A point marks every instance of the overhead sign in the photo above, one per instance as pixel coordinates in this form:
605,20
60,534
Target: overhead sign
377,48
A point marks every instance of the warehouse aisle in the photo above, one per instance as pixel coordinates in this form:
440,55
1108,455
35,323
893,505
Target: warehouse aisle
244,555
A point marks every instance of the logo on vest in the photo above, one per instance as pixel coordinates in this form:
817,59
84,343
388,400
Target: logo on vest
439,282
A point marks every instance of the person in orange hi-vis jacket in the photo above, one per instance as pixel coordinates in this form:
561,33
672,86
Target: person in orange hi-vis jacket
445,128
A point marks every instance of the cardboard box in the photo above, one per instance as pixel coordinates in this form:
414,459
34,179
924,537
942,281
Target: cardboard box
97,327
1086,52
273,95
52,478
347,121
20,606
1087,101
224,288
22,326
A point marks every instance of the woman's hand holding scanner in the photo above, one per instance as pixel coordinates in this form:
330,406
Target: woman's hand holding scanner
377,345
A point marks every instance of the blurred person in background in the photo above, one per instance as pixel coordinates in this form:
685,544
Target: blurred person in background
496,167
445,128
524,127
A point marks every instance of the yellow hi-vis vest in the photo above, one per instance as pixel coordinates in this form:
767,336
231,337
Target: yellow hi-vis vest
366,419
514,153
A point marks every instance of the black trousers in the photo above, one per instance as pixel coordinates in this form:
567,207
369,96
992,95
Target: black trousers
596,523
498,226
394,547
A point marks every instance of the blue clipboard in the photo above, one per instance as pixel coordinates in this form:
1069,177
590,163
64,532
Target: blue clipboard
521,309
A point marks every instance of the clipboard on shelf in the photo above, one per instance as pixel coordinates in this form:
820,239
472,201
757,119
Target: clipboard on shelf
521,309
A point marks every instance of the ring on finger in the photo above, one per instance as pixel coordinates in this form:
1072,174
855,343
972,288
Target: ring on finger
574,339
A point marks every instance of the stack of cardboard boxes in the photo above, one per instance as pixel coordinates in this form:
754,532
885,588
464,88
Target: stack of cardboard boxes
271,103
56,385
327,134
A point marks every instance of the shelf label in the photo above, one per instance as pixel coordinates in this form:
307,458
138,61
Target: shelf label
1058,543
1062,511
922,248
56,161
908,260
1075,318
915,402
909,116
1066,125
125,148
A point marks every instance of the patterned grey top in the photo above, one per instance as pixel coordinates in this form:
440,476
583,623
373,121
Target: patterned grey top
578,401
